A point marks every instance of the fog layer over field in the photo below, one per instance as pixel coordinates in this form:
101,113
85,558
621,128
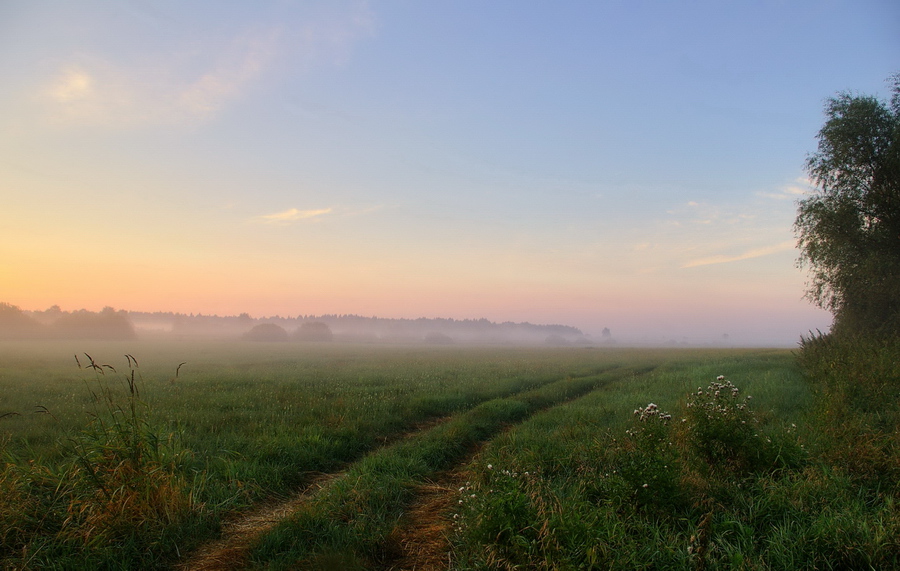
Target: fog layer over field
112,324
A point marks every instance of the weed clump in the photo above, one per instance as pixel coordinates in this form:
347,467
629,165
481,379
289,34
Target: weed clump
675,480
647,460
675,465
121,499
728,435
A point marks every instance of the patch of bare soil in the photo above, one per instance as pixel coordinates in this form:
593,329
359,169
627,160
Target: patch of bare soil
423,538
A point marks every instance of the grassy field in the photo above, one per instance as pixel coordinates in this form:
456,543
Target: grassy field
467,458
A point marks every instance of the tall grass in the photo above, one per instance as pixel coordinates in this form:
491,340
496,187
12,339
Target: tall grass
702,478
120,501
857,381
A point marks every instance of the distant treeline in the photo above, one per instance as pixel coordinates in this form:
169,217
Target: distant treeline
57,324
120,324
357,328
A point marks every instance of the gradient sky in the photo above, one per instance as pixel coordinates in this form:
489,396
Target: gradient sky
624,164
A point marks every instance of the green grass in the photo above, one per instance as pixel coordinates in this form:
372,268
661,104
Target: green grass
100,473
357,514
254,422
588,485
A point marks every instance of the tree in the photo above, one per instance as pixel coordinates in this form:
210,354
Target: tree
267,333
313,331
849,229
14,323
83,324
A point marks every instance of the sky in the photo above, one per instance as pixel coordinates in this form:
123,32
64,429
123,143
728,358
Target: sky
632,164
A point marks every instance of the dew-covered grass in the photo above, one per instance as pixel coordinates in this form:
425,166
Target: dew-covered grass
246,422
591,458
724,464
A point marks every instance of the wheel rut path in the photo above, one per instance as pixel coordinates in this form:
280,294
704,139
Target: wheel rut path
239,533
230,551
422,538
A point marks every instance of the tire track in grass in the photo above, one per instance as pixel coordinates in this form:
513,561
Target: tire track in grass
355,523
230,551
239,534
424,536
423,533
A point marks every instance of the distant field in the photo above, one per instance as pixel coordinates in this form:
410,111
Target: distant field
229,396
410,457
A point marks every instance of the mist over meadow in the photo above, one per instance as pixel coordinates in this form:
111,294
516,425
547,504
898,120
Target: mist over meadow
120,325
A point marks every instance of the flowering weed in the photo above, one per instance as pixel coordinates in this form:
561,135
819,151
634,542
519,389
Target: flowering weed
648,461
723,430
500,511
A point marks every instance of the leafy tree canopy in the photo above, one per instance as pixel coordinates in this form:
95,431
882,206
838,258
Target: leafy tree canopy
849,229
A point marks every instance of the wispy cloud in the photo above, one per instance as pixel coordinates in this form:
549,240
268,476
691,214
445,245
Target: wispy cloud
94,91
71,84
201,79
290,216
755,253
248,58
800,188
